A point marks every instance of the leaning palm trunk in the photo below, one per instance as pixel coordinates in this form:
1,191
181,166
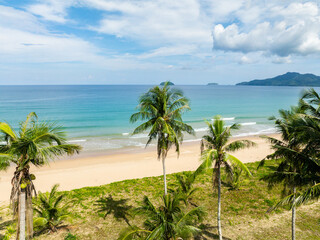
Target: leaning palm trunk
293,222
164,175
21,201
29,215
219,203
22,217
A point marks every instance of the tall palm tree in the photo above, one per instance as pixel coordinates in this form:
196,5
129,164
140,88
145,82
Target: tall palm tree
293,158
161,109
35,143
168,221
215,148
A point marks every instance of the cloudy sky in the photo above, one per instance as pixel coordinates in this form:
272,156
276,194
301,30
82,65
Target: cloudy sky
145,42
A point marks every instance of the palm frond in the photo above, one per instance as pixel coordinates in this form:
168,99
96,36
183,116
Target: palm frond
312,193
238,163
24,126
6,129
239,144
131,232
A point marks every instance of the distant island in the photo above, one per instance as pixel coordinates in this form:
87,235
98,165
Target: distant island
212,84
169,83
288,79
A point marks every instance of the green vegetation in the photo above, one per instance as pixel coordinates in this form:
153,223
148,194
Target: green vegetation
185,186
35,143
50,211
215,148
288,79
168,221
297,153
244,210
161,109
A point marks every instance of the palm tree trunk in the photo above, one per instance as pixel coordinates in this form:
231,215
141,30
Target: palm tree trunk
18,219
29,216
22,217
293,221
219,203
164,175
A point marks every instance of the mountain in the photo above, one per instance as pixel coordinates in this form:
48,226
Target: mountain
212,84
288,79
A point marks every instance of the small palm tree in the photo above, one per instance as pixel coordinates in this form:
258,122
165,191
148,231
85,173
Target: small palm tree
184,186
215,148
35,143
161,109
50,210
168,221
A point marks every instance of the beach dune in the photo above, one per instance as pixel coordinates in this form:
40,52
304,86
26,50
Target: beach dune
85,170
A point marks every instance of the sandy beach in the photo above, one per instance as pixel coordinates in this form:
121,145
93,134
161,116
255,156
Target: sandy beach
98,169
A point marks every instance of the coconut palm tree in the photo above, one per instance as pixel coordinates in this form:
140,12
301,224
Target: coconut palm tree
293,158
215,148
168,221
298,153
161,109
35,143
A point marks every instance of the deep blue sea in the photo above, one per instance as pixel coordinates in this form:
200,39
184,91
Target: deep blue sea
97,117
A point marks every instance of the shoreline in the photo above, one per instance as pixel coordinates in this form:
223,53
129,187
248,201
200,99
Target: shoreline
103,167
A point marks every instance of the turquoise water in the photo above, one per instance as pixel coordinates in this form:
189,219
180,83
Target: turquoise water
97,117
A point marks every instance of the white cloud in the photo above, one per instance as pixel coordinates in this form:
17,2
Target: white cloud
253,30
169,51
12,18
52,10
159,22
281,60
245,60
294,29
25,40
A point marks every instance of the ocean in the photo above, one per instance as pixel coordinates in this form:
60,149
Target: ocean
97,116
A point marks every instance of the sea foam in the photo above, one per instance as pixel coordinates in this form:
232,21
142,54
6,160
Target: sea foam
248,123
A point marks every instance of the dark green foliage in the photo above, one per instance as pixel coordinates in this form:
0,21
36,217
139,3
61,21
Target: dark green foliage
161,109
168,221
184,186
34,143
51,211
298,151
214,148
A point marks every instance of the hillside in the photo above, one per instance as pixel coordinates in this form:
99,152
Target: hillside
288,79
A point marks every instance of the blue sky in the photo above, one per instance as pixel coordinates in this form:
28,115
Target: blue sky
146,42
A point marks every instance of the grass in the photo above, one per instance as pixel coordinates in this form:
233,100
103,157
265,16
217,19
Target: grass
243,211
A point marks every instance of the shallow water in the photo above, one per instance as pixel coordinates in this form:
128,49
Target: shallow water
97,117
